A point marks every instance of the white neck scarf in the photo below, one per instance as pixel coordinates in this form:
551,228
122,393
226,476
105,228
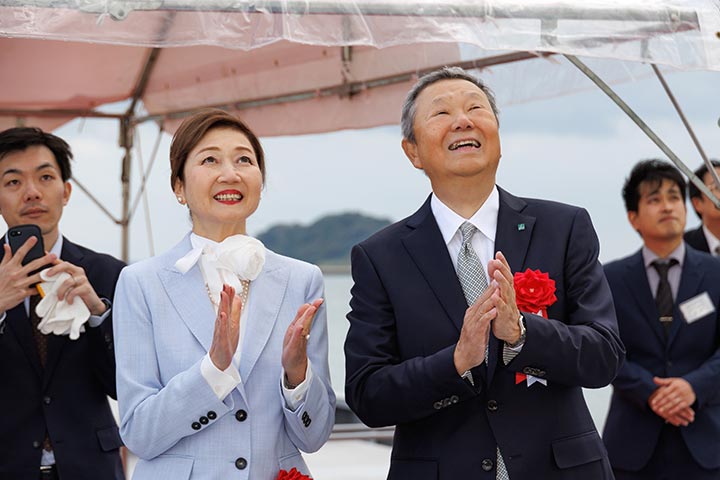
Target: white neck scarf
236,258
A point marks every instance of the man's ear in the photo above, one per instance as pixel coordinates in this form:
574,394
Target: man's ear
66,193
697,203
632,218
411,152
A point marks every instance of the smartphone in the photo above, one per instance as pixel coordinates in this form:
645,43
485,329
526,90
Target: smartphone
17,237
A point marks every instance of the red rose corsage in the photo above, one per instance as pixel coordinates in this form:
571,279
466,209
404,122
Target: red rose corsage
293,474
534,293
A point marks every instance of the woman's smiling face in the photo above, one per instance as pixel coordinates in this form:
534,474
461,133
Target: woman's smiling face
222,183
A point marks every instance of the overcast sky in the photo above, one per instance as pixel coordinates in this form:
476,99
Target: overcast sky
576,148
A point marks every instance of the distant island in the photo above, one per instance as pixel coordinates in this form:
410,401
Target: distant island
327,242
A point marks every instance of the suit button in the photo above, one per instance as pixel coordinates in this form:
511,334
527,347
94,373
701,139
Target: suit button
454,399
241,415
47,400
487,464
37,444
240,463
437,405
196,426
108,339
204,420
212,415
492,405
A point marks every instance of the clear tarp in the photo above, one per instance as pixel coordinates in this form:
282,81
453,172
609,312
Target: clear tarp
684,34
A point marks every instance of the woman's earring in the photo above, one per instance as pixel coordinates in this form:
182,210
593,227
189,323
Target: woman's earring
181,200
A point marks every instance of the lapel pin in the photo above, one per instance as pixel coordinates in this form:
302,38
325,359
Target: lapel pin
521,227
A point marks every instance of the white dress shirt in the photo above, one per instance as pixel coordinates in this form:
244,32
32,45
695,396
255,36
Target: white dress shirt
483,242
674,273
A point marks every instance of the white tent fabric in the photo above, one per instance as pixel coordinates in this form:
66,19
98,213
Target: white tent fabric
294,67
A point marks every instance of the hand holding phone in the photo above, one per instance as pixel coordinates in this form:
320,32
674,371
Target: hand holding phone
20,265
18,235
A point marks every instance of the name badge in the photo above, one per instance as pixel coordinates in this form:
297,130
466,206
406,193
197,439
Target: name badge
697,307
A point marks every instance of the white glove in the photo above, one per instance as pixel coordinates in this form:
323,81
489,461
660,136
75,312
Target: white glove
58,316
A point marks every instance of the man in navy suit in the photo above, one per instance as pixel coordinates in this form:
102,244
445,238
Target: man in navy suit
664,418
480,381
706,237
56,421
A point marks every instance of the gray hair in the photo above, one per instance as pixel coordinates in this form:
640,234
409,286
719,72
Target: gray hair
446,73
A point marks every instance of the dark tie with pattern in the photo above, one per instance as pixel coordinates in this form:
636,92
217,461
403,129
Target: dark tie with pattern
41,344
474,282
38,336
663,296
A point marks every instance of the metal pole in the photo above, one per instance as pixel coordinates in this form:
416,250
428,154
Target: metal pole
708,164
644,127
126,142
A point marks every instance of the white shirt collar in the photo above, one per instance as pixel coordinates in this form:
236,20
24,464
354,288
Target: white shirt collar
712,240
678,254
485,219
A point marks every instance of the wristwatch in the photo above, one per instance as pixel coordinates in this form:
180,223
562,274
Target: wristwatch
521,340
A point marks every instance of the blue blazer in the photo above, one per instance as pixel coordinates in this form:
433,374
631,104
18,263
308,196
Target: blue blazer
69,396
692,352
163,329
407,312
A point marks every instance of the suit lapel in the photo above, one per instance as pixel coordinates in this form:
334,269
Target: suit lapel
690,280
637,283
266,296
17,323
512,238
427,248
188,294
514,230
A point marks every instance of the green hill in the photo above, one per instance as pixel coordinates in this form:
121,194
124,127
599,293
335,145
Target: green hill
326,242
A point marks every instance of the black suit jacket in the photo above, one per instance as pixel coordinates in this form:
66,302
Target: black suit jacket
407,311
632,429
68,397
696,239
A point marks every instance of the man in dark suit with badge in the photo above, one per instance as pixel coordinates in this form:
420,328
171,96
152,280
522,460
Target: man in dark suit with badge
477,320
664,418
56,421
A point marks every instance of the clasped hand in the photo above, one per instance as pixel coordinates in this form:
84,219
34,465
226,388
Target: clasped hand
495,308
672,401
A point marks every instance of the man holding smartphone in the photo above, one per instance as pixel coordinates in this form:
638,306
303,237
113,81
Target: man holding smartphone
56,421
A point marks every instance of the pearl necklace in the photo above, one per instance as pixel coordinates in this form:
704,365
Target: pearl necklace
243,294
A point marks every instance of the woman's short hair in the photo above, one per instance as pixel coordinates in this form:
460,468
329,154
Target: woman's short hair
194,128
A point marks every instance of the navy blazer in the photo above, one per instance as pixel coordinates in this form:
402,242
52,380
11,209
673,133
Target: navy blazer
692,352
407,311
696,239
68,396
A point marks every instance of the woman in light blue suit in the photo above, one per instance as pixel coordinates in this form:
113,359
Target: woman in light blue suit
214,384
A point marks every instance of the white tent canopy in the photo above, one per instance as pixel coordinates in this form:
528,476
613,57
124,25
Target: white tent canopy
259,56
295,67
